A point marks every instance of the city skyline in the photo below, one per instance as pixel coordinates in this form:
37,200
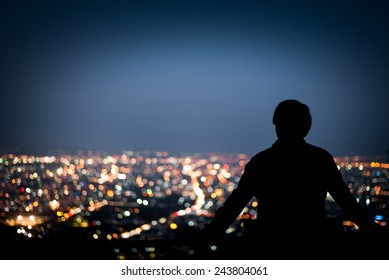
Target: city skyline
68,199
193,77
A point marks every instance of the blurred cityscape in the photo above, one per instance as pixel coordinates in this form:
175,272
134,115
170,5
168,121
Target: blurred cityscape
132,200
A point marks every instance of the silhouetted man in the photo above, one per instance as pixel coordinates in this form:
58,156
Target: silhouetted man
290,180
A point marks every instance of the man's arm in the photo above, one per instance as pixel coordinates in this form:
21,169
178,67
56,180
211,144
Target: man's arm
338,189
233,206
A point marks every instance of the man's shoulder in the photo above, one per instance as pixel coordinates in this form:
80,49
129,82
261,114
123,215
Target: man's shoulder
269,153
262,156
264,153
317,151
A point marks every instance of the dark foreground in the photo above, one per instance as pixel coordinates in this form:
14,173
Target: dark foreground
350,245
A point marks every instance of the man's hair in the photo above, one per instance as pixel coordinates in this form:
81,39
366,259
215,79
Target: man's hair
292,119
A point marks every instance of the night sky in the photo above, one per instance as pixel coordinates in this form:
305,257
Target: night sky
191,76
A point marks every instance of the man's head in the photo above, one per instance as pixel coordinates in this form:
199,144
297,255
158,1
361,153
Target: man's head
292,120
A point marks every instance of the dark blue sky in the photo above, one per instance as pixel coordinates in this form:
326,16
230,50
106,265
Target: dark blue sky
191,76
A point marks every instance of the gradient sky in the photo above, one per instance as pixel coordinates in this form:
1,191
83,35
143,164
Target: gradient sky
191,76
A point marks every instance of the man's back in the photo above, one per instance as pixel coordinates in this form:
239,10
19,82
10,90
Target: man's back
291,180
287,180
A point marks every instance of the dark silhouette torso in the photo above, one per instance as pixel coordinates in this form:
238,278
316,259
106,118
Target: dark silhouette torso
284,179
290,182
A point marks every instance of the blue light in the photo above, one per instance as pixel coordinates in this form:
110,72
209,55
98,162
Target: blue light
378,218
